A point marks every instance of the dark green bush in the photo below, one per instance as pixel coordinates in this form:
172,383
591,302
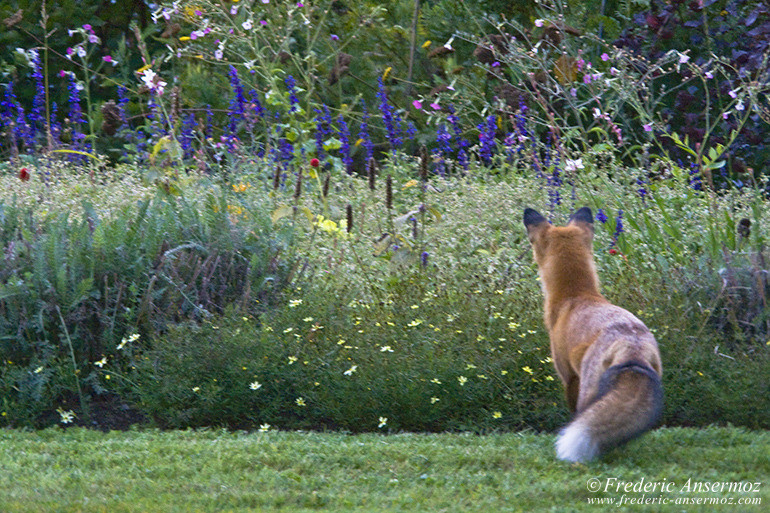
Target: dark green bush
72,289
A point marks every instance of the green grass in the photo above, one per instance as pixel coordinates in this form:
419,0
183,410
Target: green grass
77,470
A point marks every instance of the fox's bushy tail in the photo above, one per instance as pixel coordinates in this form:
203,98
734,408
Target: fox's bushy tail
628,403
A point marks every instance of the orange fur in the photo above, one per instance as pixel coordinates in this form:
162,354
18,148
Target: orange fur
606,358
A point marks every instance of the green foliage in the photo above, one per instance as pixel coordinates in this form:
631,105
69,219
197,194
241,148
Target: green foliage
74,287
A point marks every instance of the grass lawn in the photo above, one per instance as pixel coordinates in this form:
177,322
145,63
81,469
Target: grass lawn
78,470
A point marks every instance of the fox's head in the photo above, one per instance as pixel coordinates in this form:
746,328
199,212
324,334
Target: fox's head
561,245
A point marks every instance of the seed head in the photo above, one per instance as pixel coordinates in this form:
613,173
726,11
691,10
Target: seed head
371,170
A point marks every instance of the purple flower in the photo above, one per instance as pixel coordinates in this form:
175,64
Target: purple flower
388,117
323,130
618,228
237,107
345,140
37,116
293,100
462,143
187,134
601,216
76,116
487,138
363,132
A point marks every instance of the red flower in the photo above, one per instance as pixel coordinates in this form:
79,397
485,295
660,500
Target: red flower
613,251
315,162
24,174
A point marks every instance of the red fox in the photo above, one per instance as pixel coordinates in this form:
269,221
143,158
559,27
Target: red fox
607,359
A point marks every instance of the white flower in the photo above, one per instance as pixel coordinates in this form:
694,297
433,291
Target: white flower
573,165
382,422
683,58
247,25
153,81
66,416
350,371
739,105
218,54
264,428
101,363
386,349
255,385
80,51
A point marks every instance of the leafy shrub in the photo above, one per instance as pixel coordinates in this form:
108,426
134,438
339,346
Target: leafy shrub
71,288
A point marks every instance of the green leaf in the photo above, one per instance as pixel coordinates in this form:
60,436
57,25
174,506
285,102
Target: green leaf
332,144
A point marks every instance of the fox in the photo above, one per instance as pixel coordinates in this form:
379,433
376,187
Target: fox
606,358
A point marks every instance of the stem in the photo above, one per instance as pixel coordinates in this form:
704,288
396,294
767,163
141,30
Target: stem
415,18
81,398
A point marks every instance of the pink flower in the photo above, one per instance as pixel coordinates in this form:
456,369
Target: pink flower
417,104
87,27
605,57
107,58
539,23
647,127
435,106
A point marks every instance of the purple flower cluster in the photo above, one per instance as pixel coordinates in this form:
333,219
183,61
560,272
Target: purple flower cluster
462,142
291,85
37,116
389,117
12,115
347,160
187,135
323,130
76,115
363,133
487,139
618,228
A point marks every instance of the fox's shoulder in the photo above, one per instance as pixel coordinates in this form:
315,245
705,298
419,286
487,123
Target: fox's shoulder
599,314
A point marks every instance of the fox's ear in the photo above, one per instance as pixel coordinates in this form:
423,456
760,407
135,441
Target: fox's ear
584,215
534,223
533,218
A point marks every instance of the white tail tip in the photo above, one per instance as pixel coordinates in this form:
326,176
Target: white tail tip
575,444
